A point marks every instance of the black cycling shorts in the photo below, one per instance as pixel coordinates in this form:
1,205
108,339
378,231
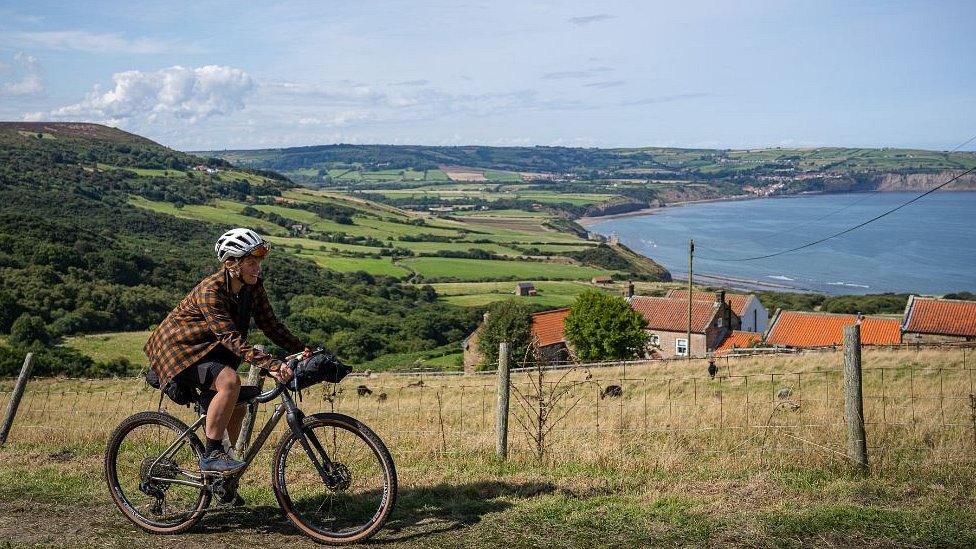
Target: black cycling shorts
203,374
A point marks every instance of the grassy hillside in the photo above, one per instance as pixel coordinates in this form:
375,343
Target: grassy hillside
103,231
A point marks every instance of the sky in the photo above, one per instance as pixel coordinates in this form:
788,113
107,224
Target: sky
206,75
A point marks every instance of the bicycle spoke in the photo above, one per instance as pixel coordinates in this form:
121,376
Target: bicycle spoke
357,489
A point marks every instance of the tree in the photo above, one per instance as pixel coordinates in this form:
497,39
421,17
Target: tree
27,329
509,321
601,326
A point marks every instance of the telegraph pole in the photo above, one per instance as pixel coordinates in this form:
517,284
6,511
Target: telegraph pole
691,260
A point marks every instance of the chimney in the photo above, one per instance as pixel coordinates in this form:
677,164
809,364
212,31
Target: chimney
630,289
720,296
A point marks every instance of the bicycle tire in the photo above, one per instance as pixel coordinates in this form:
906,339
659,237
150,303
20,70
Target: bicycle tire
380,452
118,493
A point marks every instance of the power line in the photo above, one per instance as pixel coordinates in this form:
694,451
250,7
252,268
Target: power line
845,231
842,208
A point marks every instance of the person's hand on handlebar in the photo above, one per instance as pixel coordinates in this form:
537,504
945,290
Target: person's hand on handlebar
282,374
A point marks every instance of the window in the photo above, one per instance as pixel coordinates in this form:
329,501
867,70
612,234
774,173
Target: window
681,347
655,340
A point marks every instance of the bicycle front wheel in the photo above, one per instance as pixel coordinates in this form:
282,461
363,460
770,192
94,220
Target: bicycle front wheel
354,503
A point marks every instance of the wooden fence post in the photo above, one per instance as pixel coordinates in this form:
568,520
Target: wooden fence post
501,409
857,446
255,378
8,420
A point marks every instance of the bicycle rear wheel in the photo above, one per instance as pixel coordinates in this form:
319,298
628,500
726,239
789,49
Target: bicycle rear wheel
142,485
353,506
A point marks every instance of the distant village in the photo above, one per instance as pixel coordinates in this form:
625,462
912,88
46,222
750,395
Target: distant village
725,323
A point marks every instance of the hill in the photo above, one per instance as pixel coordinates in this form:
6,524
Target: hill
104,231
727,171
79,252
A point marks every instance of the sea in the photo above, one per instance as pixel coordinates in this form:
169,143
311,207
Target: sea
926,247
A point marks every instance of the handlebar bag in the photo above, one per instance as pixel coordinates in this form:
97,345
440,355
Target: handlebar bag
319,368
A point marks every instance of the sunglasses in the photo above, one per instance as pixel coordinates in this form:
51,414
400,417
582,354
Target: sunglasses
261,251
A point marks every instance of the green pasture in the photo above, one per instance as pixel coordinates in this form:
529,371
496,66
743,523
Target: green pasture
223,212
478,269
519,214
375,266
110,346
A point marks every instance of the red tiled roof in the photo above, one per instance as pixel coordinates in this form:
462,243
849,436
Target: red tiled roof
738,340
738,301
671,315
941,316
802,329
547,326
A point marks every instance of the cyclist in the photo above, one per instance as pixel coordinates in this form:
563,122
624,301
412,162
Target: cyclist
203,340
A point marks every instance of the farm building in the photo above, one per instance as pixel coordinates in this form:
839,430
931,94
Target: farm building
525,289
934,320
799,330
667,323
738,340
754,316
602,279
547,333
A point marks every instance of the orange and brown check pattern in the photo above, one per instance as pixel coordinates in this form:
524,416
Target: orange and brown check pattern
204,320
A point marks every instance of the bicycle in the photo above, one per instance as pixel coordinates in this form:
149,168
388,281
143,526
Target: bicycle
339,492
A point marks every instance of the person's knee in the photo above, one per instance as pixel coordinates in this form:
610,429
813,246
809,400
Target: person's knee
228,381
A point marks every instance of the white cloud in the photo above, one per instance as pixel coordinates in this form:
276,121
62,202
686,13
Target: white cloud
92,42
190,94
27,76
587,19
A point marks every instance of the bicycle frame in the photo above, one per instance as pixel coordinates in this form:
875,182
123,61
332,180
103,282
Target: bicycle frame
295,418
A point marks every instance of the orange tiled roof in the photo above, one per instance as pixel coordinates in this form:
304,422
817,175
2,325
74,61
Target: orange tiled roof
941,316
738,301
738,340
802,329
671,315
547,326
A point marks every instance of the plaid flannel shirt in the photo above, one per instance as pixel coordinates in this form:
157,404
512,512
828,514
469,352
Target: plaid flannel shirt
204,320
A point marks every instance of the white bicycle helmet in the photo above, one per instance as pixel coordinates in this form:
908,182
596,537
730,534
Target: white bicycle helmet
238,243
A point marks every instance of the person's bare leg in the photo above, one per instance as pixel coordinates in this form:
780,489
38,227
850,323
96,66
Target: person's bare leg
227,385
234,425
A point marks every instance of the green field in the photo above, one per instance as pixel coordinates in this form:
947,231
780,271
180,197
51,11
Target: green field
374,266
224,212
475,269
389,225
106,347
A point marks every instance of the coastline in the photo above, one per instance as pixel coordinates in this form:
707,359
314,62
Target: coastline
752,280
586,221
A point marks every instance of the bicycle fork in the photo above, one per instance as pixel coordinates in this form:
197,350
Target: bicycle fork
310,443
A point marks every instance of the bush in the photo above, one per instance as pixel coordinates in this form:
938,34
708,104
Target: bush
28,329
601,326
510,321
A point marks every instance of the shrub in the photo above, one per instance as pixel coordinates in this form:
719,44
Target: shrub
601,326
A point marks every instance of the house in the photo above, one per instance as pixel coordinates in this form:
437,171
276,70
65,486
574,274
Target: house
936,320
755,316
738,340
547,334
799,330
299,229
603,279
667,323
525,288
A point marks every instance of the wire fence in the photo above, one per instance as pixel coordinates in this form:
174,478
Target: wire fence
785,409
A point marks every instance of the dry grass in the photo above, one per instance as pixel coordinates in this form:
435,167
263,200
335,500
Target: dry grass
678,458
